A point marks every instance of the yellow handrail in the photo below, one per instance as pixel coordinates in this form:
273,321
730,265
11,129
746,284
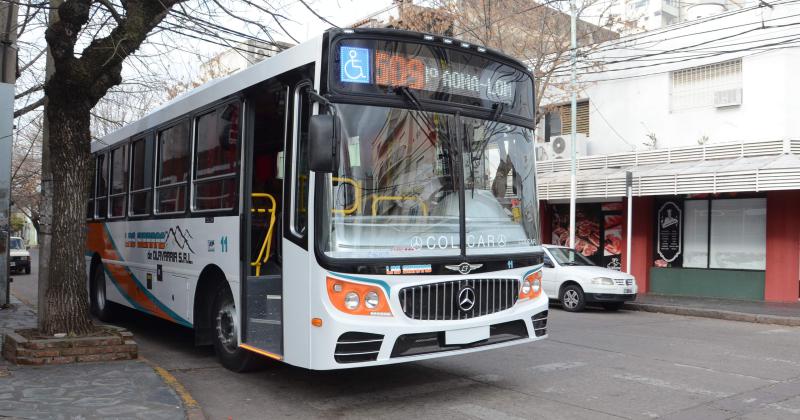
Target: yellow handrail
378,198
357,191
263,255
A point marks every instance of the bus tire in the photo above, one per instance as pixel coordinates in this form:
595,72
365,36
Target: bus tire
99,303
226,342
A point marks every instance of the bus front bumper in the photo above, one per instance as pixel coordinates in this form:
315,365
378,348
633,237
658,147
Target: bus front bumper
354,342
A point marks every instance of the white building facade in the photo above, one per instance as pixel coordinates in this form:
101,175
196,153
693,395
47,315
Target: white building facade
702,118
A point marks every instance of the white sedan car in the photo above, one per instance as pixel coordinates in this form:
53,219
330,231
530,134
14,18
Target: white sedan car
576,281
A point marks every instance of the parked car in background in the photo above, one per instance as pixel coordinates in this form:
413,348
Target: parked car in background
575,281
20,258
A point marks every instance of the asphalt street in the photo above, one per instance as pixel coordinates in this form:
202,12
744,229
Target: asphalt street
595,365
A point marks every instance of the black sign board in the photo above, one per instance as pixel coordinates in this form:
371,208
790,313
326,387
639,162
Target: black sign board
668,236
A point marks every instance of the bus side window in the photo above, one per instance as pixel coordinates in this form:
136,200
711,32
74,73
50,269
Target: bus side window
173,168
141,199
300,167
90,200
216,158
119,181
101,202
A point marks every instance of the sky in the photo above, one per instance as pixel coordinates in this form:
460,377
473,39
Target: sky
340,12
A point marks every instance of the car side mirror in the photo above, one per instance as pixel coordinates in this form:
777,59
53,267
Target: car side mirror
28,248
548,264
322,143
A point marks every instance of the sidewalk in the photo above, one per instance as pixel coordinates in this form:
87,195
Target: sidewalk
129,389
787,314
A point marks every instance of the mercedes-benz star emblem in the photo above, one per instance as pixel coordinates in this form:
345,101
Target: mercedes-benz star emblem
466,298
464,268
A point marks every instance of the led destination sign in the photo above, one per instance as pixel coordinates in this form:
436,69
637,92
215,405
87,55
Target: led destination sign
438,73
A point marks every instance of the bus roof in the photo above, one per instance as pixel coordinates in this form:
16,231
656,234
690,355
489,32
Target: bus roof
304,53
217,89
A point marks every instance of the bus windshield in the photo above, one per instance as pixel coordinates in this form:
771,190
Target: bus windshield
401,177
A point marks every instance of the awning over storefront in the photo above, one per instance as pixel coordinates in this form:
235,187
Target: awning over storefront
717,168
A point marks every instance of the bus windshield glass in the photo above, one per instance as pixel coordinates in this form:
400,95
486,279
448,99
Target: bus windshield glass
402,175
435,73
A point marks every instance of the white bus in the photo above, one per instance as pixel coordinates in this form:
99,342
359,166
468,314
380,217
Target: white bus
364,198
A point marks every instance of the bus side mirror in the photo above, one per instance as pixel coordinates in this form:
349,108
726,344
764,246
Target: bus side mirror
321,143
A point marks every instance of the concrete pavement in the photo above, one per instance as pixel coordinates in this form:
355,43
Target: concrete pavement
595,364
120,390
733,310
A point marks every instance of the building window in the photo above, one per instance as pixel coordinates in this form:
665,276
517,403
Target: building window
217,159
141,198
714,85
728,233
738,234
119,181
581,123
173,168
695,234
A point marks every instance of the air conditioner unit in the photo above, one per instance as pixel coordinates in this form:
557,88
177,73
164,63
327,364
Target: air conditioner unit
728,97
543,151
561,146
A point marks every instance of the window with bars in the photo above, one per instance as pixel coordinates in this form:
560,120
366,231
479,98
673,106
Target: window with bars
712,85
581,123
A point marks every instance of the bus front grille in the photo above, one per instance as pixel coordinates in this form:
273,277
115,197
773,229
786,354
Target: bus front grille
354,347
459,299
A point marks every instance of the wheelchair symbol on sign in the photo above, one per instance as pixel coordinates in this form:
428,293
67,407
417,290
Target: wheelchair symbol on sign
353,64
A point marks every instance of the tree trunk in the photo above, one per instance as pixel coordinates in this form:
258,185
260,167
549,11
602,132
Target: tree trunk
71,167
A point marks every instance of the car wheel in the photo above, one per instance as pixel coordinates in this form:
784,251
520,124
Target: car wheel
100,306
226,336
572,299
613,306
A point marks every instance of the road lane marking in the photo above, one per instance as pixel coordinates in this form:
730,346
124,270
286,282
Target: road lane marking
553,367
338,403
483,413
671,386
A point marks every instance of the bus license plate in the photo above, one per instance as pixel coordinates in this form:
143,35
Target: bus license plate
466,335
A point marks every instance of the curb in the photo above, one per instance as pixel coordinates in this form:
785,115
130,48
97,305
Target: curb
715,314
191,407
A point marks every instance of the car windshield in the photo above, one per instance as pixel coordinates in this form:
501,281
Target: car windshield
16,243
400,177
567,256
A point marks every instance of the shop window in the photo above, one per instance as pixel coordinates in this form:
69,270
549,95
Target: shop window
727,233
598,234
119,180
738,234
173,168
695,234
141,198
217,159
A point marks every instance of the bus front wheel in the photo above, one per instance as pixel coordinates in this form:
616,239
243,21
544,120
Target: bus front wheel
226,334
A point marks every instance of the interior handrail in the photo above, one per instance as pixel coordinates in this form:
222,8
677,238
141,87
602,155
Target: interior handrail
378,198
263,255
357,191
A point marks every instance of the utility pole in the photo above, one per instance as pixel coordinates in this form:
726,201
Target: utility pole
573,181
8,79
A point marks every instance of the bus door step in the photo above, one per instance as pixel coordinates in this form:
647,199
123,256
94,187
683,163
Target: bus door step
265,312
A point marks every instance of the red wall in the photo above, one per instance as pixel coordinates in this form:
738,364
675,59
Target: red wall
641,252
783,247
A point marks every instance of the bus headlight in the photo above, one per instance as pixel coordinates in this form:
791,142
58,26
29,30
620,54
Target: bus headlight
351,300
371,300
526,287
531,286
347,295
